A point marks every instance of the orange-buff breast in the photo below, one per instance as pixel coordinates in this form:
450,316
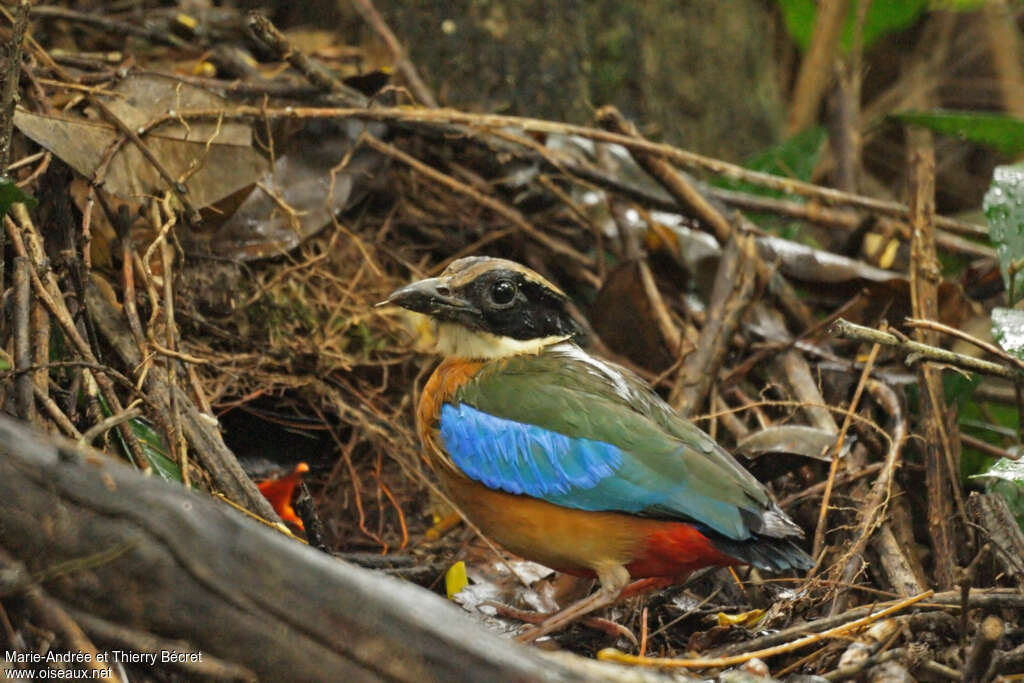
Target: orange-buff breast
578,541
451,374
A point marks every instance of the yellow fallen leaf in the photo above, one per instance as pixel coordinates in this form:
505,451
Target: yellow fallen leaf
745,619
455,579
204,69
886,256
443,526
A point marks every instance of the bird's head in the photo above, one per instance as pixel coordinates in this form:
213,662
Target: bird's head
489,308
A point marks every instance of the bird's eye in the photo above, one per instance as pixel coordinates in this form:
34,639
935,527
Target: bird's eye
503,292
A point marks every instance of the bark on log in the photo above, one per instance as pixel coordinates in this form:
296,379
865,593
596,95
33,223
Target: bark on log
154,557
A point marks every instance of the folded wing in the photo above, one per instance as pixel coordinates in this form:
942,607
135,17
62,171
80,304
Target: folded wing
577,432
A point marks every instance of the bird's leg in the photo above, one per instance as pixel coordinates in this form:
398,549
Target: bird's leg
613,578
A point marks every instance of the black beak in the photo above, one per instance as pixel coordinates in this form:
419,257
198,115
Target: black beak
430,296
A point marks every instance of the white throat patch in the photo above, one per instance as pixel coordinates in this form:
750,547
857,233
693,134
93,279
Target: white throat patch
456,341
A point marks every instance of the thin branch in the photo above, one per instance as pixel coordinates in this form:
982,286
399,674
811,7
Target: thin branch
819,530
112,26
917,351
1004,40
813,212
22,339
718,662
56,414
731,297
936,326
873,510
12,74
127,415
176,186
942,471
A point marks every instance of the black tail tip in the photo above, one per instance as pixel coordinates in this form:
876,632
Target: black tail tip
768,554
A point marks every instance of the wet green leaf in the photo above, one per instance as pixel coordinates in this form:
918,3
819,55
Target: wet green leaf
799,16
883,16
12,194
155,450
794,158
959,388
1006,477
998,131
1008,330
959,5
1004,209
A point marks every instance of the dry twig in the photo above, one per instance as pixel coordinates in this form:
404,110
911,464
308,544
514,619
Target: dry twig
717,662
916,351
942,471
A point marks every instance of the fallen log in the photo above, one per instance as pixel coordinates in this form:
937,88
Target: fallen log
155,558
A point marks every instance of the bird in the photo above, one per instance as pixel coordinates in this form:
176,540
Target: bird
572,461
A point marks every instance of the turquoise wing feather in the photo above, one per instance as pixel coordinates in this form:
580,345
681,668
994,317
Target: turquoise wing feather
566,428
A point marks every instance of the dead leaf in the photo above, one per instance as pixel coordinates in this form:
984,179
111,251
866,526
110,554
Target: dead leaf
809,442
780,449
816,265
215,161
626,319
145,97
296,199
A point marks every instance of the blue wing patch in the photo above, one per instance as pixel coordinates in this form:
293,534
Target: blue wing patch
575,472
520,458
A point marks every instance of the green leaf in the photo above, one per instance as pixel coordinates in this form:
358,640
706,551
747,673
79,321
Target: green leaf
1006,477
1008,470
959,388
998,131
959,5
799,15
1008,330
155,450
1004,209
795,157
884,16
12,194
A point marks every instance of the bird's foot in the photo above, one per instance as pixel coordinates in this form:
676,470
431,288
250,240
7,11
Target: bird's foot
615,586
608,626
642,586
562,618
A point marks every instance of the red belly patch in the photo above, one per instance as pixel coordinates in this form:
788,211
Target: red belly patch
676,549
